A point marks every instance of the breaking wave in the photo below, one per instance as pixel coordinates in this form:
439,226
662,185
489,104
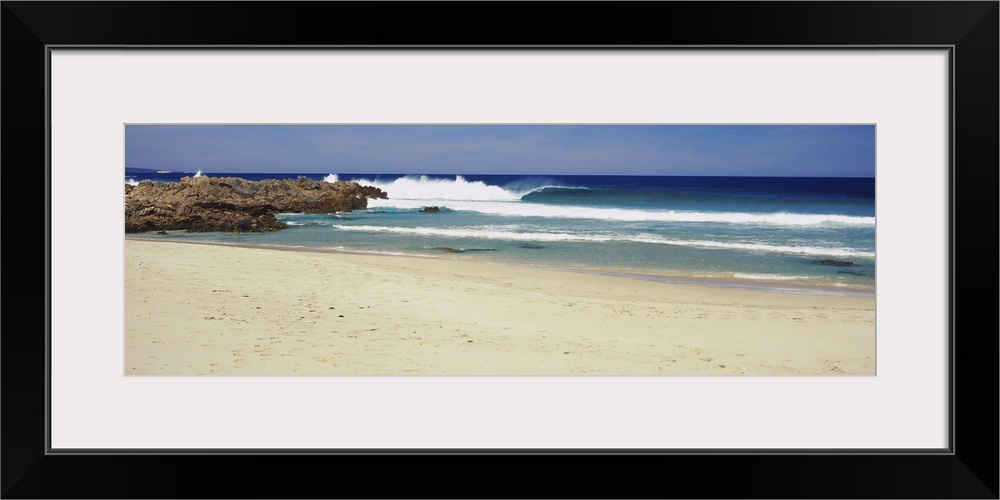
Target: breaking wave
502,234
423,189
627,214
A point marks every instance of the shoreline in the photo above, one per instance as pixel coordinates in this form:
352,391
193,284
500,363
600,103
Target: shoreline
775,286
224,309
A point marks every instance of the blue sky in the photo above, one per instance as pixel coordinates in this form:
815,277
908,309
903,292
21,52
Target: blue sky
742,150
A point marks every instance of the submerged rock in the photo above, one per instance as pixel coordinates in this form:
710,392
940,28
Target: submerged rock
430,209
530,245
232,204
463,250
832,262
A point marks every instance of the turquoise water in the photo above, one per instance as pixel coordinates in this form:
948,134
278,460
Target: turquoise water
752,231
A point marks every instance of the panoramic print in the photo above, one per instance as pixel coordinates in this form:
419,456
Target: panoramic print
500,250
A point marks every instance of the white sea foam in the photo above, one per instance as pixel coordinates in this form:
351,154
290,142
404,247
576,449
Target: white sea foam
520,209
762,247
504,234
131,181
198,174
459,194
488,233
331,178
417,191
768,277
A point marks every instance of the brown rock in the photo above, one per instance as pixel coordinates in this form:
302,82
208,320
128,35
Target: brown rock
232,204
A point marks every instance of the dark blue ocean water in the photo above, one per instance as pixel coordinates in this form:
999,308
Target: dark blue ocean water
767,231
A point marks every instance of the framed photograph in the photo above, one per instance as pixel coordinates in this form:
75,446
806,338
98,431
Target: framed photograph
556,250
736,253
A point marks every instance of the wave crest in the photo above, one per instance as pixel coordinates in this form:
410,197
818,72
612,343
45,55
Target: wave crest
423,188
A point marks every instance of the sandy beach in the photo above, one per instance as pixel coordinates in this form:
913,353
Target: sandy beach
193,309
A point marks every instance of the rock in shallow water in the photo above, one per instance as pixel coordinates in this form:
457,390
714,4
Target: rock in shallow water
832,262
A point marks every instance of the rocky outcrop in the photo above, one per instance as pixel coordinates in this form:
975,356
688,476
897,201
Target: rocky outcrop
430,209
231,204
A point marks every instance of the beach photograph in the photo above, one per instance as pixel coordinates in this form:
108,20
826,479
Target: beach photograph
499,250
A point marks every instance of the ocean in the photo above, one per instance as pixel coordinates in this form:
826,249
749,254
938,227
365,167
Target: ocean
782,233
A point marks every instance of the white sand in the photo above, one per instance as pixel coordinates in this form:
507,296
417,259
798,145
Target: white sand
210,309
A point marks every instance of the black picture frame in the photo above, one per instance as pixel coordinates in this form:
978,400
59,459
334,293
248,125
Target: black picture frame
968,470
